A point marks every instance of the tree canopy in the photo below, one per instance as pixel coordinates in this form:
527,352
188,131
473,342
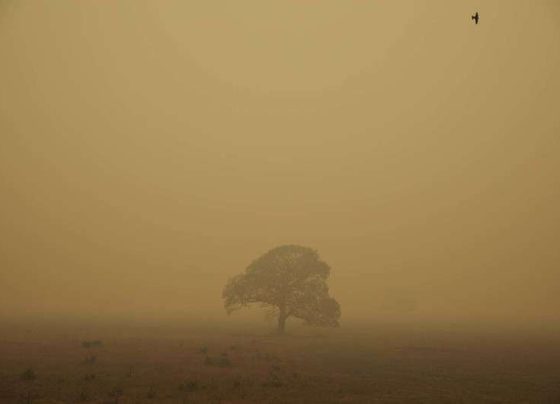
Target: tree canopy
290,279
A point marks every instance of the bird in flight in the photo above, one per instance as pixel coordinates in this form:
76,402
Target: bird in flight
475,18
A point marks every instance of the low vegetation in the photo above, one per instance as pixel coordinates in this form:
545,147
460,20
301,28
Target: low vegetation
341,366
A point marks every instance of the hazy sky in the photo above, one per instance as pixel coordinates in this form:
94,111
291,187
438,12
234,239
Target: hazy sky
151,149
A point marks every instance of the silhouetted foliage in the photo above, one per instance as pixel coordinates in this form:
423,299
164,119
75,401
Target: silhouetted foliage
151,393
116,393
92,344
220,361
224,362
28,376
189,386
290,279
83,396
89,377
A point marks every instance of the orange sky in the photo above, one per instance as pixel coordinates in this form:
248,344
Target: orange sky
150,150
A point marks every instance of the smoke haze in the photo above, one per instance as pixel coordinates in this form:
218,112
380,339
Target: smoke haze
151,150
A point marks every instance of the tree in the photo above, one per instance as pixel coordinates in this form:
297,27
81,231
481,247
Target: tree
291,280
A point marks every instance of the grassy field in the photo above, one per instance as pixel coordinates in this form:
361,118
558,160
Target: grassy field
169,364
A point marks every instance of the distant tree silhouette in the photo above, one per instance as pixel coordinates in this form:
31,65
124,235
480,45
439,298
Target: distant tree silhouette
291,279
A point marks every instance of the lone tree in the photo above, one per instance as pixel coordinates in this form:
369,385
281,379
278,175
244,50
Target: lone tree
291,280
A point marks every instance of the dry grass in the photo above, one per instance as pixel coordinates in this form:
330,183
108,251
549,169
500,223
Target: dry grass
176,366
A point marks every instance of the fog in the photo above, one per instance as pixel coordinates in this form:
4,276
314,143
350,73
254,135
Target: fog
151,150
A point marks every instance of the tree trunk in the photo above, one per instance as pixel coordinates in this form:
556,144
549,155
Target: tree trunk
282,320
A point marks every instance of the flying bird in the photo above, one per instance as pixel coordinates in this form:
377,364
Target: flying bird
475,18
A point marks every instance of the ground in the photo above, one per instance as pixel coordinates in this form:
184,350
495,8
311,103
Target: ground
374,364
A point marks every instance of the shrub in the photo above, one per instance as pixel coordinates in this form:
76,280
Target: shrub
89,377
189,386
83,396
224,362
92,344
117,392
273,379
28,375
